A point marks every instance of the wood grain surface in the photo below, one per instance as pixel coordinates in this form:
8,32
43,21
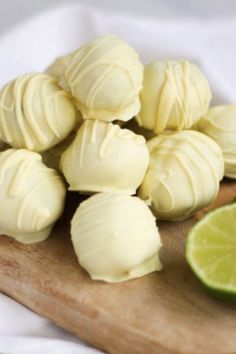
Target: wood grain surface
165,312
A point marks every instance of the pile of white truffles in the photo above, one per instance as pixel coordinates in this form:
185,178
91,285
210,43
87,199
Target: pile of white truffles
90,116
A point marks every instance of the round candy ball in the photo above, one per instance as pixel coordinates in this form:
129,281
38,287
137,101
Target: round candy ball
104,76
220,124
183,175
104,158
35,113
31,196
115,237
175,96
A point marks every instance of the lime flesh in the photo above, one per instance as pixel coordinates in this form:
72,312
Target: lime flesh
211,251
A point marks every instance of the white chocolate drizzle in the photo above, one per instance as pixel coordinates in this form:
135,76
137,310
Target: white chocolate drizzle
89,164
188,148
220,125
106,238
104,147
23,179
96,66
83,142
33,123
182,98
41,215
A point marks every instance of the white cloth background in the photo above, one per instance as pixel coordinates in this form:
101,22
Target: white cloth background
208,41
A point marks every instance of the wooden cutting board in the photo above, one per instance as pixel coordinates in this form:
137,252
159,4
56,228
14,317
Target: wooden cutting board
165,312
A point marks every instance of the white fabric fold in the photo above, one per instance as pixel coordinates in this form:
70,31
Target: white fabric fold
24,332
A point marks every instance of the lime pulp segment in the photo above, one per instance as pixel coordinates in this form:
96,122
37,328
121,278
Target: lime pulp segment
211,249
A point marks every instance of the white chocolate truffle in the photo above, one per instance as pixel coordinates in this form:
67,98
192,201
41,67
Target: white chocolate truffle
183,175
115,237
220,125
105,158
105,76
31,196
35,113
175,96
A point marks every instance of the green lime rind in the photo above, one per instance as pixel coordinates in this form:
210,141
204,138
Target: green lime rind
221,295
211,252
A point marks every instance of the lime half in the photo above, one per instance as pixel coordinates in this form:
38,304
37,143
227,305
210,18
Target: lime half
211,251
